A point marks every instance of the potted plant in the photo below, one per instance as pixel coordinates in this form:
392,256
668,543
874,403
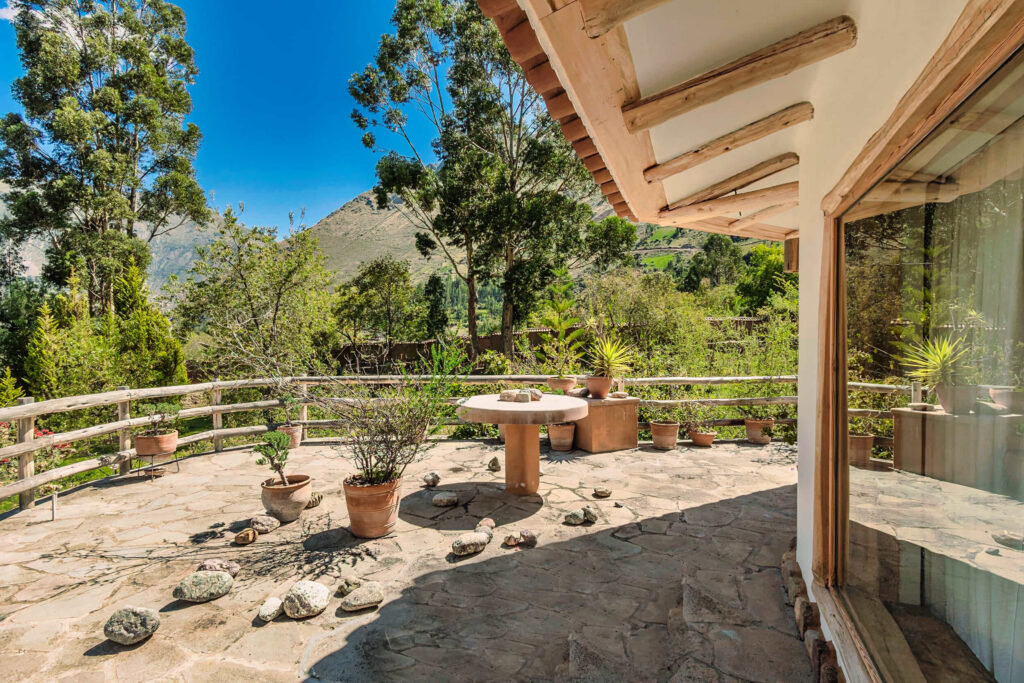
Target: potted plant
291,404
940,363
664,429
158,437
608,357
1010,397
284,496
561,435
559,350
388,428
860,442
695,418
759,420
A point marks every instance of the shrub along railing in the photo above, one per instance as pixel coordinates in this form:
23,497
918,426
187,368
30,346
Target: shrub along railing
25,413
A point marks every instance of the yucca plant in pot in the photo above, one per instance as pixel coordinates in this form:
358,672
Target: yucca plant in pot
941,364
608,357
158,436
284,496
695,419
559,350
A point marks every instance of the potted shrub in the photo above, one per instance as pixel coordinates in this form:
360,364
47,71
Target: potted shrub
158,437
940,363
758,421
388,428
284,496
608,357
860,442
291,415
695,418
559,350
561,435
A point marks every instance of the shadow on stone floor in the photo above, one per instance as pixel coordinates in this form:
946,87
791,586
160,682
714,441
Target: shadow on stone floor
487,498
692,595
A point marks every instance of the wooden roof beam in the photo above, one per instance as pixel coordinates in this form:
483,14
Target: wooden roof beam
776,60
780,120
740,180
601,16
757,217
745,201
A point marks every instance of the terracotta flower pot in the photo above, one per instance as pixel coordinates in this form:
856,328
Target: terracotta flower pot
957,400
161,444
372,510
702,439
755,429
1010,398
599,387
561,435
665,434
294,433
859,449
287,502
563,384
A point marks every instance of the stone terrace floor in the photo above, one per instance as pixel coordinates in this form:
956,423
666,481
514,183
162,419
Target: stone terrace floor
679,583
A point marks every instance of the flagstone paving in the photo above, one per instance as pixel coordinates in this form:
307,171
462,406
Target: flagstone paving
680,583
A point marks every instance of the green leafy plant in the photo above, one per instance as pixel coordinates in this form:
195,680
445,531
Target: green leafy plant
610,357
161,418
274,453
693,416
937,361
292,404
560,349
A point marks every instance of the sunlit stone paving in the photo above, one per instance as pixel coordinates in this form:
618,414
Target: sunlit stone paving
678,579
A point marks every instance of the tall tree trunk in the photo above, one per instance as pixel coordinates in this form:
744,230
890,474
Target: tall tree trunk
507,320
471,301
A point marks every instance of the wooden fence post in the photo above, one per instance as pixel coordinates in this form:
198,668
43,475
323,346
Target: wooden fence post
218,420
303,409
26,461
915,392
124,436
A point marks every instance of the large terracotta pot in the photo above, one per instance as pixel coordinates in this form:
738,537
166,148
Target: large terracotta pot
859,449
599,387
287,502
702,439
561,435
294,433
755,429
957,400
372,510
161,444
1010,398
563,384
664,434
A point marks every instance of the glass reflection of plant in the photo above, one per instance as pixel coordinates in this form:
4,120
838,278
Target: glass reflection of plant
939,361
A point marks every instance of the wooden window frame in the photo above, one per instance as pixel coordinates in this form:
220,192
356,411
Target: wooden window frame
986,34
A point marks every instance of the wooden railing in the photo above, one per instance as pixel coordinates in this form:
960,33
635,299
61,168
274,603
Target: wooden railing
25,413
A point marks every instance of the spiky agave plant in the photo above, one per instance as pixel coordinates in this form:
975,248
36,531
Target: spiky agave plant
610,357
936,361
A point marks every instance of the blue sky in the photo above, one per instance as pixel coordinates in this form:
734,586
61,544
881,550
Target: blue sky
272,101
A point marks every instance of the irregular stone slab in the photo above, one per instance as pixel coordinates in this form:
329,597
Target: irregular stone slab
347,584
315,499
494,465
203,586
579,392
264,524
524,396
529,538
369,594
619,394
536,394
470,543
129,625
245,537
306,599
575,518
445,499
432,479
270,609
508,395
602,492
219,565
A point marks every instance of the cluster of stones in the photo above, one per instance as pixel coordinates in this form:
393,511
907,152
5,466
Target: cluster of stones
520,395
259,525
587,513
808,620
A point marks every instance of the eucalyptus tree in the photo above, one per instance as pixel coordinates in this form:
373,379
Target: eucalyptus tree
100,161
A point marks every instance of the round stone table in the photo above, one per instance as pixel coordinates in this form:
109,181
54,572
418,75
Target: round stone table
522,431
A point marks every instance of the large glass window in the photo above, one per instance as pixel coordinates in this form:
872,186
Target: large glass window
933,258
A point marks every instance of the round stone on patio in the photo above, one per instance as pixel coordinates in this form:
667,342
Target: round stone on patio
264,524
271,609
130,625
367,595
203,586
445,499
218,565
306,599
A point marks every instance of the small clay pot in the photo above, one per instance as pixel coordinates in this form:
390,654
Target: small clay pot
161,444
599,387
664,434
563,384
372,510
755,430
294,433
702,439
957,400
286,502
561,436
858,449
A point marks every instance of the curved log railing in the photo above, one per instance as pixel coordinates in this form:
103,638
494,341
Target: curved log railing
25,413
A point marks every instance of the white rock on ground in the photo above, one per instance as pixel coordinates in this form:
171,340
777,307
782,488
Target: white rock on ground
486,531
264,524
218,565
432,479
602,492
367,595
470,543
589,513
347,584
575,518
528,538
271,609
306,599
445,499
130,625
203,586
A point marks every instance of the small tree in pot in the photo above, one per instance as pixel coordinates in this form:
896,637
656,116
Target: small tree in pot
158,436
291,404
284,496
560,348
608,357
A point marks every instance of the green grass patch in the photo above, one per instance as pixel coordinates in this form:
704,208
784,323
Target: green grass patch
659,262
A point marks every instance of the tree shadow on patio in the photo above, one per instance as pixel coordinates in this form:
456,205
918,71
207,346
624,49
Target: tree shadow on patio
482,499
696,593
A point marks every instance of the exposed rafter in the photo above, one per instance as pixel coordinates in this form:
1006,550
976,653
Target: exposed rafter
740,180
776,60
601,16
760,216
745,201
780,120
